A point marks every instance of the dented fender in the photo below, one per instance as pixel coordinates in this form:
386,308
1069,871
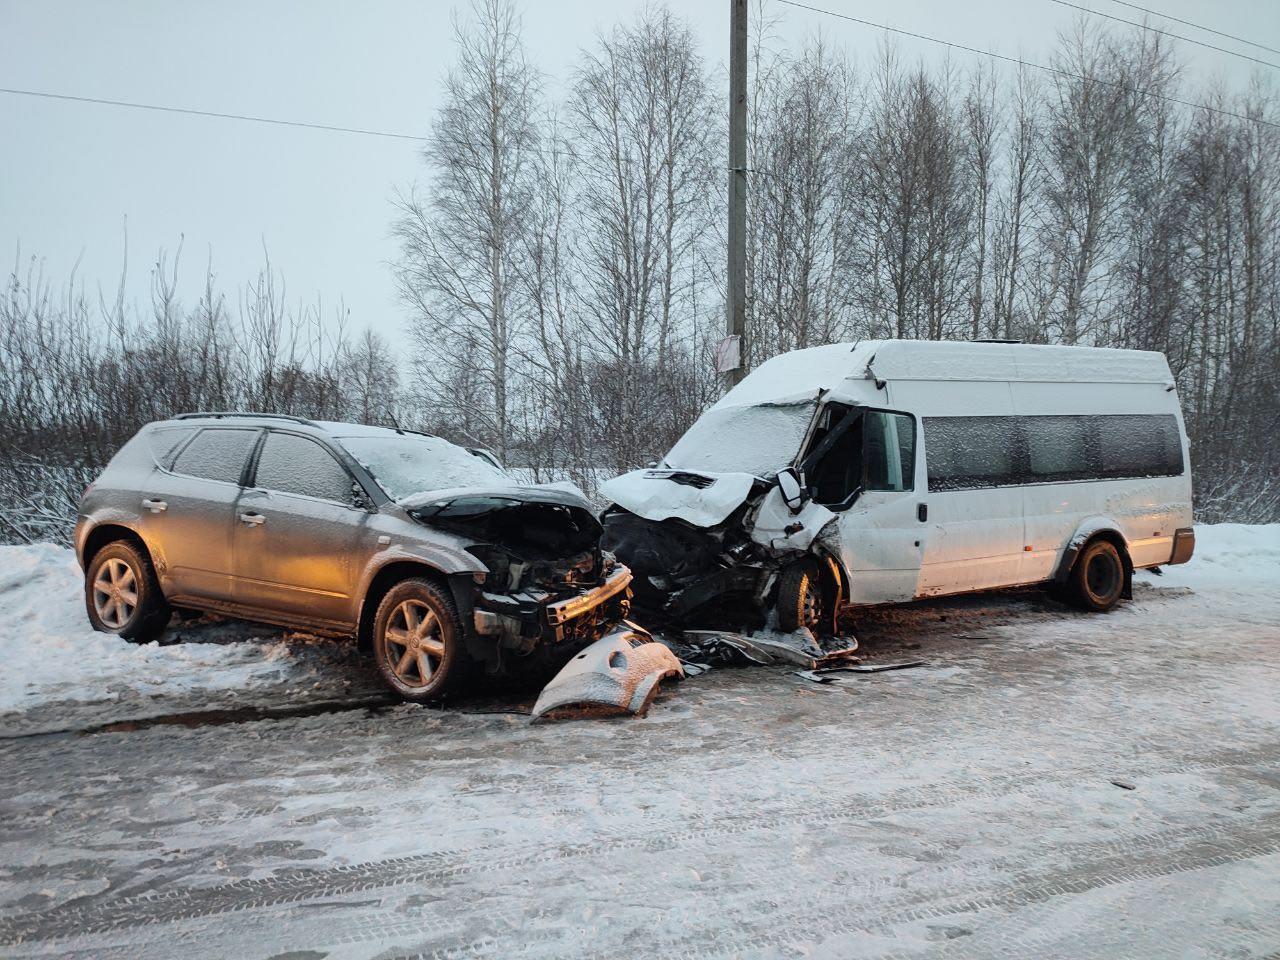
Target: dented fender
779,530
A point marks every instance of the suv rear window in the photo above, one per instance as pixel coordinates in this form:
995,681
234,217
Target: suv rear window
216,455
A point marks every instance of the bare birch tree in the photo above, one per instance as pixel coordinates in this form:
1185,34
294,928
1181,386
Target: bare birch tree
458,272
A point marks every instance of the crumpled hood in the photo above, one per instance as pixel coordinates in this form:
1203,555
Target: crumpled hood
560,492
702,499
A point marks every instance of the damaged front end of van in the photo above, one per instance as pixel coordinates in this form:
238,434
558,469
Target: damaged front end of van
759,513
722,532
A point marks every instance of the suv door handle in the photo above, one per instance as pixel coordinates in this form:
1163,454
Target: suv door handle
922,512
253,519
155,506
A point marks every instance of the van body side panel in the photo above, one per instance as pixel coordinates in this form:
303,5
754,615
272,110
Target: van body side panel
1145,511
973,537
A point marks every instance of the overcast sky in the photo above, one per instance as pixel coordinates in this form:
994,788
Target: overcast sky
71,173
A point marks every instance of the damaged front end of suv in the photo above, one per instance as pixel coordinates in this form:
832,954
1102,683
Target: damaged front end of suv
550,589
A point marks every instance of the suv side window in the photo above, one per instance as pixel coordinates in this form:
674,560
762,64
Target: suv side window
216,454
293,464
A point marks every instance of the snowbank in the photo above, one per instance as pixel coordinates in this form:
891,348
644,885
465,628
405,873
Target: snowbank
49,652
1230,559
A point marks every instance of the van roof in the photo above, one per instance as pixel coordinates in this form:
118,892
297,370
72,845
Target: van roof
800,374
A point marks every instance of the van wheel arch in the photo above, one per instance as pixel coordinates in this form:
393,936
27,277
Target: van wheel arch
1072,554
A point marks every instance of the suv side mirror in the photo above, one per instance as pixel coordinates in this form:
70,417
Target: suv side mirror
791,483
359,499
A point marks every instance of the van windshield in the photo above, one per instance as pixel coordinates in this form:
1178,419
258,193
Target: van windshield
759,440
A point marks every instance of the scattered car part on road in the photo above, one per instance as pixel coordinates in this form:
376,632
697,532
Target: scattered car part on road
800,647
873,667
827,674
617,674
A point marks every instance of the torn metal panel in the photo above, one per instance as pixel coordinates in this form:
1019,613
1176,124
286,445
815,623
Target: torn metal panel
779,530
619,673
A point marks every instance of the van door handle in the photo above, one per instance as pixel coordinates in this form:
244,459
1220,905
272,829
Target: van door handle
922,512
155,506
253,519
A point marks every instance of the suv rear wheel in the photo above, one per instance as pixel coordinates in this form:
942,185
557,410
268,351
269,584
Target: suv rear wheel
122,595
418,641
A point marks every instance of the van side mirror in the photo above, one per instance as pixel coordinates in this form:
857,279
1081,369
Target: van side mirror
791,484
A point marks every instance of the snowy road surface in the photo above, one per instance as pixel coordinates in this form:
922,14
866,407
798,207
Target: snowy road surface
964,809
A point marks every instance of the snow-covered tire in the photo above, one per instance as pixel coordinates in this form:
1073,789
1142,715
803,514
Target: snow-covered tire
1098,577
122,595
418,641
801,602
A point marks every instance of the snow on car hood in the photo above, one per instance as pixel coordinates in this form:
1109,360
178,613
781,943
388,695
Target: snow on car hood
561,492
703,499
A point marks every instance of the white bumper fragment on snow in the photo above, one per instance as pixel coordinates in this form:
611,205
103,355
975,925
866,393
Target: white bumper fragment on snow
619,673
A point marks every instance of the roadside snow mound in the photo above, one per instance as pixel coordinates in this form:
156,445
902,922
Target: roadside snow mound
49,652
1230,558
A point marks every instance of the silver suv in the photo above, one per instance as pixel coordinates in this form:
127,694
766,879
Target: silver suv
430,554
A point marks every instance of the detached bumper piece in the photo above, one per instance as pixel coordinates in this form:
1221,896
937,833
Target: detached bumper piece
617,674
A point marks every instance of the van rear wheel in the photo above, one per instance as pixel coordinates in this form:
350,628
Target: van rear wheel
1097,579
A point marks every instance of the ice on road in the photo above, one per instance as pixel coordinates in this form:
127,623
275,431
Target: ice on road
969,808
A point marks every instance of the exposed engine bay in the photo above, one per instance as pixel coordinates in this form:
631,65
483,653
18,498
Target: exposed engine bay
550,589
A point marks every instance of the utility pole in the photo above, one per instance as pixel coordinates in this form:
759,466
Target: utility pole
732,352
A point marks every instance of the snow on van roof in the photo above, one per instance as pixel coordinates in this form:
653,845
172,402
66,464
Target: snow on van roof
802,373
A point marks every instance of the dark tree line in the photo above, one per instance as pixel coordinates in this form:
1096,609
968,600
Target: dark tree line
78,376
562,260
1084,206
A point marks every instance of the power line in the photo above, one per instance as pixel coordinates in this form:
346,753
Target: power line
1166,33
1197,26
1023,63
209,113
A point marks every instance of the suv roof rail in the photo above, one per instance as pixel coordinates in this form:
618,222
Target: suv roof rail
219,414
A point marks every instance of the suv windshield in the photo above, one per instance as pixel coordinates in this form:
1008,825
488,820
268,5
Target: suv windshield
759,440
413,464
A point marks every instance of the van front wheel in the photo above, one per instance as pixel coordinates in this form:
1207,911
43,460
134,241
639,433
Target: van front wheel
1097,580
800,598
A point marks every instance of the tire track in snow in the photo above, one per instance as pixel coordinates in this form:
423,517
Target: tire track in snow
443,867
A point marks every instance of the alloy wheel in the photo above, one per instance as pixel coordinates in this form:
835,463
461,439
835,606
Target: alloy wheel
414,646
115,593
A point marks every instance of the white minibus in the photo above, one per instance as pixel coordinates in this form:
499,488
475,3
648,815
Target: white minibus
892,470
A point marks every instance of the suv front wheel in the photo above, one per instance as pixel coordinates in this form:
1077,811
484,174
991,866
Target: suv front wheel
418,641
122,595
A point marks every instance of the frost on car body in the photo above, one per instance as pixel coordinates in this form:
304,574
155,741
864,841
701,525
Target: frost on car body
884,471
429,552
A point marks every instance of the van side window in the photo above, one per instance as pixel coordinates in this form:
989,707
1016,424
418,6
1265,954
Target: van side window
293,464
1059,448
216,455
1139,446
972,452
968,452
889,450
